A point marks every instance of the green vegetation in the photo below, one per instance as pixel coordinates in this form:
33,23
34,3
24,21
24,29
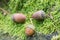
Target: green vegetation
28,7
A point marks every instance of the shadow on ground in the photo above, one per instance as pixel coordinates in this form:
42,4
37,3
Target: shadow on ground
36,36
40,36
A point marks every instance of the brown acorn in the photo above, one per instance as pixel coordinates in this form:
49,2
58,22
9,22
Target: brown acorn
19,18
39,15
30,30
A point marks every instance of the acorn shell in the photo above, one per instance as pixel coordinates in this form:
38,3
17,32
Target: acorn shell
39,15
30,30
19,18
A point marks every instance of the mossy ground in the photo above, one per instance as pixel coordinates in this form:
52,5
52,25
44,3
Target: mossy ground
28,7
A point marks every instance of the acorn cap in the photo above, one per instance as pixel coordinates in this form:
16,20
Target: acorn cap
31,26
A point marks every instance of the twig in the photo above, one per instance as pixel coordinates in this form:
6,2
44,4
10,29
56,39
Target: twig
4,11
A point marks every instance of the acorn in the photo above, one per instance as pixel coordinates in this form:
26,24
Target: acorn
30,30
19,18
39,15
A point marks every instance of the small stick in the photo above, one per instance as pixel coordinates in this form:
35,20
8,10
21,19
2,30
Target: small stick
50,16
4,12
31,20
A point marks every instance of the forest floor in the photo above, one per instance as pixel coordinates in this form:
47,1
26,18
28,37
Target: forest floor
28,7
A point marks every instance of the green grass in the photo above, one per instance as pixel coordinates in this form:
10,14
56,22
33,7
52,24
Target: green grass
28,7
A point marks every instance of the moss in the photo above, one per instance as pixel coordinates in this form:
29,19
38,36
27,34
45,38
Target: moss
28,7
